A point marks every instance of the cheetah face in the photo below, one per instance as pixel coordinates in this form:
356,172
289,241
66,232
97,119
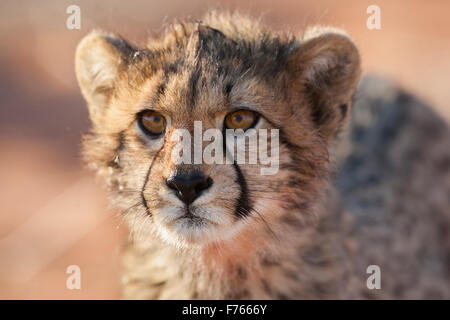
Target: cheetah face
204,194
204,135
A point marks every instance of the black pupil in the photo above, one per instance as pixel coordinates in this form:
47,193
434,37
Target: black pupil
238,118
156,119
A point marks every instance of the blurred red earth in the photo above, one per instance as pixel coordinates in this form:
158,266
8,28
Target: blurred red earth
53,213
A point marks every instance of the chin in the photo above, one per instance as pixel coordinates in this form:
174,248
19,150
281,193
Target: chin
197,227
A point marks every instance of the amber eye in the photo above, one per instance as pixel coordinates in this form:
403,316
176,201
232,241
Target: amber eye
152,122
241,119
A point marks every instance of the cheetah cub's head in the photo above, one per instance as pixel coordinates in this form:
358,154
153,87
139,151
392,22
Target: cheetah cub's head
161,117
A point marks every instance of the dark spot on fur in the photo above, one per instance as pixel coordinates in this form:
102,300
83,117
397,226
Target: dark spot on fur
322,288
242,274
296,183
269,262
282,296
267,289
292,221
241,294
316,257
162,88
193,86
228,88
293,275
343,108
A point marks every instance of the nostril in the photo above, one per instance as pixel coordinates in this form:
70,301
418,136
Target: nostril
188,185
171,184
203,185
209,182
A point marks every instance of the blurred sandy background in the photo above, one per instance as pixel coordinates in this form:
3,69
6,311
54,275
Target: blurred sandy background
52,212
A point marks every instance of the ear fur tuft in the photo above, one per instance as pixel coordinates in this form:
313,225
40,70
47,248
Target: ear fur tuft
325,68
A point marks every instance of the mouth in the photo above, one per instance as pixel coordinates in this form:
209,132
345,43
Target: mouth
193,220
196,225
189,227
189,216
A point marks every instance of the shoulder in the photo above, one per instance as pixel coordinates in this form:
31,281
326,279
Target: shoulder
391,134
393,183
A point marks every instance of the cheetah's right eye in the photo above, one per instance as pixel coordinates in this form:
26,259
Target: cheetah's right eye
152,122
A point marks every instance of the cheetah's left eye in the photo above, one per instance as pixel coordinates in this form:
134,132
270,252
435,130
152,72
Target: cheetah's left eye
241,119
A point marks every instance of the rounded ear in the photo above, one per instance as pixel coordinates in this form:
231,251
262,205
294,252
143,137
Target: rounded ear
325,70
98,59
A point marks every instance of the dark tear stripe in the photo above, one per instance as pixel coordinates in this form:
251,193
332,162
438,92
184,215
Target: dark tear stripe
243,207
144,201
243,203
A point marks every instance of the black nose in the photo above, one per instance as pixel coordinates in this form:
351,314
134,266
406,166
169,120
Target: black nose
188,185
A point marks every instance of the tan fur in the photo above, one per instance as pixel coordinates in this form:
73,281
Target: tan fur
291,241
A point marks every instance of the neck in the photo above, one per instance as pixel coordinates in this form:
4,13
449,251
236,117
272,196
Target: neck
280,259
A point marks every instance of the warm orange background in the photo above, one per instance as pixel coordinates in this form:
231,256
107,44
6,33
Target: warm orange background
48,201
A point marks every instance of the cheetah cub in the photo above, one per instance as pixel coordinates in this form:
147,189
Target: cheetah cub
220,230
